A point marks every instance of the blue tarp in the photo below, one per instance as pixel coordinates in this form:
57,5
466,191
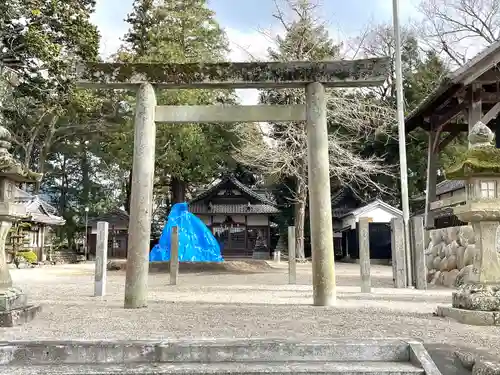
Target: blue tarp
196,241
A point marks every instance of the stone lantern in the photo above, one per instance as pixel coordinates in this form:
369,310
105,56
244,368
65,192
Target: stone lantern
14,309
478,300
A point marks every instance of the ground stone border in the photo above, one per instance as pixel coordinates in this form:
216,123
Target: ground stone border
213,351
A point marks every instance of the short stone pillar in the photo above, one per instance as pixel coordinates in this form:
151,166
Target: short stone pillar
14,307
364,254
398,253
292,257
280,249
478,301
418,251
101,259
174,255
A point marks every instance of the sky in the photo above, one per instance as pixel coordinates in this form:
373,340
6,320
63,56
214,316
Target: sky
245,21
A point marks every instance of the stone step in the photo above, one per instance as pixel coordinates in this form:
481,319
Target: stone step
239,356
222,350
240,368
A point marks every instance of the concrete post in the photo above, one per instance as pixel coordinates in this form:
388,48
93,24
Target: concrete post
174,255
319,197
398,253
141,201
101,259
418,236
277,256
292,258
364,254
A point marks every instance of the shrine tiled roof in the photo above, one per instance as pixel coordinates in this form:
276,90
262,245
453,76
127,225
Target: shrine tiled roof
259,208
37,209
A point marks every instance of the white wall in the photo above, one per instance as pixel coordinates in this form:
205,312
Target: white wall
258,220
377,214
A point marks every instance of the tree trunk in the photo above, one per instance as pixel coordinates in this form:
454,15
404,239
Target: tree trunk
128,192
44,152
300,214
178,190
85,167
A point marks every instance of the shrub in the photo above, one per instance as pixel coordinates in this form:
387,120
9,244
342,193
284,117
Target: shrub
29,256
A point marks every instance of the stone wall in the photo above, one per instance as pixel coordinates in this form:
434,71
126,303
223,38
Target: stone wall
449,256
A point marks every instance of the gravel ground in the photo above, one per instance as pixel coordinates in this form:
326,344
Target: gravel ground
238,305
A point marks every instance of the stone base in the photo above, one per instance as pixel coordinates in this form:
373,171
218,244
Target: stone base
12,298
19,316
477,296
471,317
264,255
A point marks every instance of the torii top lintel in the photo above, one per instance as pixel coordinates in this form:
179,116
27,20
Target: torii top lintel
343,73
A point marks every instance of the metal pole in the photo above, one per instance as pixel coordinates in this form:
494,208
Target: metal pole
402,141
86,233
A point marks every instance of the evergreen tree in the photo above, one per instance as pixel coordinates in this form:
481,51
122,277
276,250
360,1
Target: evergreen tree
181,32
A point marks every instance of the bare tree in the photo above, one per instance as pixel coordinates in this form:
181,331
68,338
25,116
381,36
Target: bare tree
285,154
459,29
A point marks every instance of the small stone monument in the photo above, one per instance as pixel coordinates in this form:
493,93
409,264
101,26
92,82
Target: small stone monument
260,250
478,301
280,248
14,309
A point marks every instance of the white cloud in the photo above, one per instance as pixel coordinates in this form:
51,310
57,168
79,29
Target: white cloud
247,46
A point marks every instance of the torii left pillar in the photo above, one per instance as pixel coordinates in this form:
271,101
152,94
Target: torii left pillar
141,200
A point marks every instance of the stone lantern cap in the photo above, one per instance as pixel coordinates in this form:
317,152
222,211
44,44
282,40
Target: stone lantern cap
11,168
481,159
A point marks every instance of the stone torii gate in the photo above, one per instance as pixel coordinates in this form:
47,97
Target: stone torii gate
313,76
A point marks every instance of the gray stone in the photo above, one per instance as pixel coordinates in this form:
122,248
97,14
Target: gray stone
419,258
436,263
398,253
141,200
436,278
486,368
260,250
12,298
452,263
442,277
467,359
460,257
471,317
477,296
366,72
450,278
443,265
174,256
324,291
429,262
464,276
466,236
253,368
210,350
364,254
430,276
19,316
470,253
101,259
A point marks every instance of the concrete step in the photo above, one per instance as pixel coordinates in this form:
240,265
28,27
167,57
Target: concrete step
239,368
